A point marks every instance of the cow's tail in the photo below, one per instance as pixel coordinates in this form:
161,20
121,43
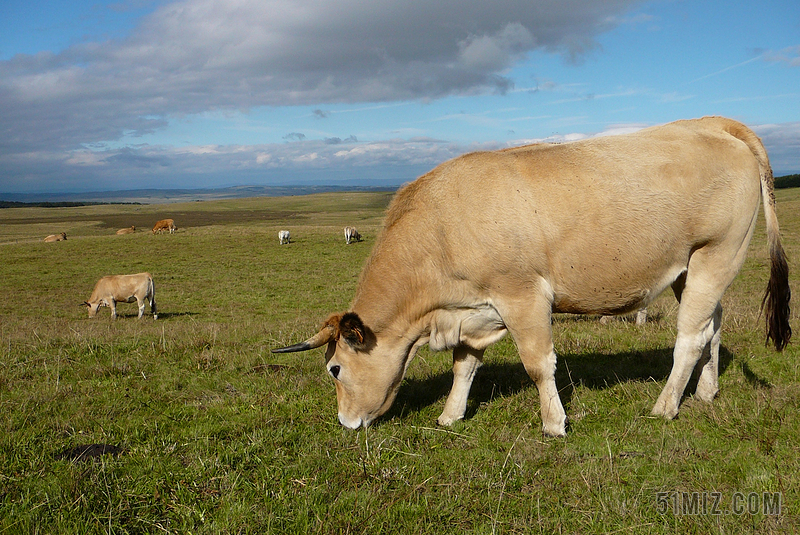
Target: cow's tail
151,291
775,304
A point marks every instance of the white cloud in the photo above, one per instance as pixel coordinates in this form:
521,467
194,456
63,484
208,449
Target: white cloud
789,55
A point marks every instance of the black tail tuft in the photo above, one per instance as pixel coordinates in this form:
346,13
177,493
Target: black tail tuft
775,304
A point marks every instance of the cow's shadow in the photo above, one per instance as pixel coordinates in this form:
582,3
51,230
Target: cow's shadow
161,315
591,370
168,315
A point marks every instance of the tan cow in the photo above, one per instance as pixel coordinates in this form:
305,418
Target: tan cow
56,237
129,230
600,226
351,235
115,289
165,224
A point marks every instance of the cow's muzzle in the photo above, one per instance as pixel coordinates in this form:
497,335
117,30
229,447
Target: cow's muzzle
351,423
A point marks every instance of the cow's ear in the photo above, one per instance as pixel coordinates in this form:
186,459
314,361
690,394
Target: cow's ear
353,330
84,304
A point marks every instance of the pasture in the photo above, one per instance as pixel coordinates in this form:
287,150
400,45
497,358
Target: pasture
211,433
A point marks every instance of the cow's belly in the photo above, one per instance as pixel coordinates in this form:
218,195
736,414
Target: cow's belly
599,293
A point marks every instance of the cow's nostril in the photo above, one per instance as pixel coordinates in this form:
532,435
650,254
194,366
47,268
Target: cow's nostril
335,371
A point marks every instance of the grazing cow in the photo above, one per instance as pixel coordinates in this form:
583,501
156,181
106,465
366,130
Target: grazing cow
351,235
641,317
56,237
283,237
599,226
165,224
129,230
115,289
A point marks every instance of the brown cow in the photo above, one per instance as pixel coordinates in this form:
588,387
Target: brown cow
115,289
600,226
56,237
165,224
129,230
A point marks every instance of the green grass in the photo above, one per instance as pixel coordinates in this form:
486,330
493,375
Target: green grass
218,435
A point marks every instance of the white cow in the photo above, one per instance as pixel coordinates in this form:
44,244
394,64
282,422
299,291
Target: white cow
351,235
115,289
283,236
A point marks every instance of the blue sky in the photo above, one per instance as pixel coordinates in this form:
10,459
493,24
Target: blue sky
205,93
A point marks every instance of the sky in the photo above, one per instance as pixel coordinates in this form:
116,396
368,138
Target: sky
138,94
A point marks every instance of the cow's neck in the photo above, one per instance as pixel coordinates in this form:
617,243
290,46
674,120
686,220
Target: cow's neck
397,291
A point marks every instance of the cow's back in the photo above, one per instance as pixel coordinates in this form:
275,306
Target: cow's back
606,220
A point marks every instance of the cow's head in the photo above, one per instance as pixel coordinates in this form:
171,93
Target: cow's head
92,308
366,370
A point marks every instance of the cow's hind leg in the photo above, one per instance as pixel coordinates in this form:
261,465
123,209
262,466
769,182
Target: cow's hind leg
466,362
153,307
140,303
708,382
699,322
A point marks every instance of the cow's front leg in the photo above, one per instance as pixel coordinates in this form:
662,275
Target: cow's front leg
541,367
529,325
466,362
113,306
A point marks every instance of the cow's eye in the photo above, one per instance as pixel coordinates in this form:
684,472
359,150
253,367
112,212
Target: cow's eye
335,371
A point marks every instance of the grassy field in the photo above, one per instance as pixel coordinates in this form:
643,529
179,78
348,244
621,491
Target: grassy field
208,432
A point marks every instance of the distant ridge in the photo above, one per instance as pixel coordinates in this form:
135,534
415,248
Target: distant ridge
157,196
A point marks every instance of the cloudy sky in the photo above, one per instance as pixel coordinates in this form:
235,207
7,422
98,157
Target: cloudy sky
129,94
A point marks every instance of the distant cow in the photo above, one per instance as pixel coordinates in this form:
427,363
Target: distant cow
351,235
115,289
56,237
129,230
599,226
641,317
283,236
165,224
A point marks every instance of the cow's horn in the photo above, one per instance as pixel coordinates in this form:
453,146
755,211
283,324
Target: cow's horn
320,339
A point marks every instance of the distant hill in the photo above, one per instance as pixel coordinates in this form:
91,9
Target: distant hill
50,204
788,181
159,196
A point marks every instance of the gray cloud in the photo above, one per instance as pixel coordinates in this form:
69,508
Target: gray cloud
783,145
280,52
